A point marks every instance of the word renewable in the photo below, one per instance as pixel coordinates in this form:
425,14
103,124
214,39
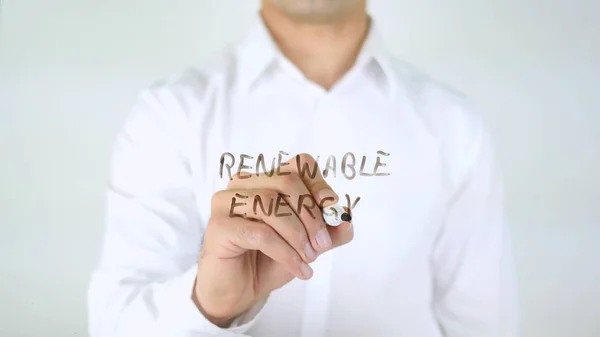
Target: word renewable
348,166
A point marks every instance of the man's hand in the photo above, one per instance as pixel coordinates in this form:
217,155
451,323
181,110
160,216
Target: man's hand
244,258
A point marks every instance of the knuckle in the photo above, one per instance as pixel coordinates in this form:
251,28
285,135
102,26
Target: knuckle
256,234
263,234
217,199
292,259
245,232
320,185
288,179
268,194
299,236
232,181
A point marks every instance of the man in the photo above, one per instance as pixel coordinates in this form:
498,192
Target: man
203,238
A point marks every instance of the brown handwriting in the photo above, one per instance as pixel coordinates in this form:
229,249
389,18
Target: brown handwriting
347,166
306,203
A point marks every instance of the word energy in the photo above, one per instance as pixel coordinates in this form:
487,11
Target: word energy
305,202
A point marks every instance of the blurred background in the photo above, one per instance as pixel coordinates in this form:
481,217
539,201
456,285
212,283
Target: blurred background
69,71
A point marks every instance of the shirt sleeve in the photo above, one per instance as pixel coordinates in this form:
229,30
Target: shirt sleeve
475,288
144,281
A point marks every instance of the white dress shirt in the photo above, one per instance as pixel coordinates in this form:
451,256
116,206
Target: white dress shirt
431,252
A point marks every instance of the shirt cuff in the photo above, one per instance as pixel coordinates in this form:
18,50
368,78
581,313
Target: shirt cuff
181,314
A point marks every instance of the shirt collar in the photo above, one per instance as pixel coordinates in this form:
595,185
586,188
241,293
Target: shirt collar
258,51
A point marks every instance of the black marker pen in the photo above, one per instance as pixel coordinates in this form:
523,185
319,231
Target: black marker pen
334,215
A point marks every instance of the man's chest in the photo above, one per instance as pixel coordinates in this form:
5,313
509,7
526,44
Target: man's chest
377,157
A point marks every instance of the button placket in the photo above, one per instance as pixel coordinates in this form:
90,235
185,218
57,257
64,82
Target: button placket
316,306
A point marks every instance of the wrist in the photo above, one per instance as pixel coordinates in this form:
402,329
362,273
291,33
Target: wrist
222,320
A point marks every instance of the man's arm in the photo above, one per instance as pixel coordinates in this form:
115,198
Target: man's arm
145,279
474,273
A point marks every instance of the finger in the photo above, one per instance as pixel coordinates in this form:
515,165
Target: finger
300,199
269,207
307,168
342,234
244,234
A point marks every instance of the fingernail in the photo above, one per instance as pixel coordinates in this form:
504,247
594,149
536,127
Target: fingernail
306,270
310,253
323,238
327,193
